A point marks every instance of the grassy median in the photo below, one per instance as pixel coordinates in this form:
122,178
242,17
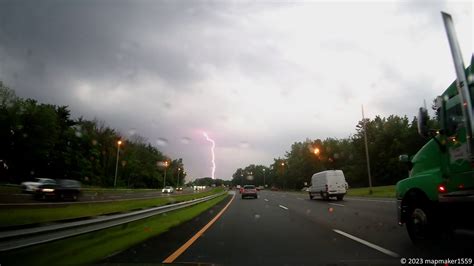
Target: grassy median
49,213
92,247
382,192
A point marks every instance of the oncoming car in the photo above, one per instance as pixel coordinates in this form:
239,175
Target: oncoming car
31,186
167,189
61,189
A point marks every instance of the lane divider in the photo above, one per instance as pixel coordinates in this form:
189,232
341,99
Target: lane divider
335,204
188,243
283,207
362,241
265,200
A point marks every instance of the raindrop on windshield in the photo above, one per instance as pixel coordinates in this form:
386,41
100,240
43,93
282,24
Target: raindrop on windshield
132,132
257,216
244,144
185,140
32,172
78,133
161,142
94,142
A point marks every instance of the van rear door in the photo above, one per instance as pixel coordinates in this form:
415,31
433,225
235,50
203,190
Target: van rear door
337,183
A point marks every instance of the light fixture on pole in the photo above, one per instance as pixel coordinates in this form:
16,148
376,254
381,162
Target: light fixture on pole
116,162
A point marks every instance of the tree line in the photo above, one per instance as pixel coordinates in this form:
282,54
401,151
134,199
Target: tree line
42,140
387,138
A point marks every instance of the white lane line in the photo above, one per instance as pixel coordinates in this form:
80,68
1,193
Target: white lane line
265,199
386,201
362,241
283,207
300,198
335,204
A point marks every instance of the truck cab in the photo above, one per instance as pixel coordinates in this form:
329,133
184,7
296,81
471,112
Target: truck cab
438,195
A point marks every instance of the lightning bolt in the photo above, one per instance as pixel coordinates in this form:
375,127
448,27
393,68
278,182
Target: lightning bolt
212,152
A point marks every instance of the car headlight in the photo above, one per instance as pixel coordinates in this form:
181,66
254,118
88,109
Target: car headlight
47,190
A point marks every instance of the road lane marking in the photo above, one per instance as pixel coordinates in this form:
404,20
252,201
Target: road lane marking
265,199
362,241
335,204
186,245
283,207
300,198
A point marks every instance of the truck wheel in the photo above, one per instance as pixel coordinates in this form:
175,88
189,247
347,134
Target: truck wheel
310,196
340,197
420,225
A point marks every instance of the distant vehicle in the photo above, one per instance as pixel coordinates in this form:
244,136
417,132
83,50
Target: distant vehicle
260,188
31,186
61,189
249,191
305,189
238,187
179,189
167,189
274,189
331,183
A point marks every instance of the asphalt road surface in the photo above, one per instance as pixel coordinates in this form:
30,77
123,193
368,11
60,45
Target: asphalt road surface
282,228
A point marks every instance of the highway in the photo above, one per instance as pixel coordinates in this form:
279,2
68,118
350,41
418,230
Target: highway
282,228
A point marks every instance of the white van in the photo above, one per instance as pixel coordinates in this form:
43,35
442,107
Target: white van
331,183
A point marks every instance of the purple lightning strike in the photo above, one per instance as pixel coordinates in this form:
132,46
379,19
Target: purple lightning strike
212,152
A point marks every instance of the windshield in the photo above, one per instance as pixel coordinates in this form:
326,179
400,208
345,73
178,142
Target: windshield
234,133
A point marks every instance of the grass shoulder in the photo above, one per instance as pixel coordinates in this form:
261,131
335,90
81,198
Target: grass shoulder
50,213
92,247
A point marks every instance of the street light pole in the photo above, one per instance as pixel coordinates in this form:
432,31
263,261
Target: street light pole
283,173
164,180
177,183
116,163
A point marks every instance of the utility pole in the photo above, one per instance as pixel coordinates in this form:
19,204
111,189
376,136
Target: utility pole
367,151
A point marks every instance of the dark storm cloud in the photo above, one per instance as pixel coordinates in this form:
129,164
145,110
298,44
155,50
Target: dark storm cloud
96,40
242,71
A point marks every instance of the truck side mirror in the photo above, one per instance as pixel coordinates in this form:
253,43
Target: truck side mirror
423,123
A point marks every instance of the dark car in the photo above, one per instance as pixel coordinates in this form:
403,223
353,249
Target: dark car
249,191
62,189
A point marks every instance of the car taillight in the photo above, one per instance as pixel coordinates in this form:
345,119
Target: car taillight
442,188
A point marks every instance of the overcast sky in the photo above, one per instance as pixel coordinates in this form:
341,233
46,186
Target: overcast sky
257,76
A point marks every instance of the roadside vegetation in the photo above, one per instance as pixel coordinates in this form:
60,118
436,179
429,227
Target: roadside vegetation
42,140
382,192
92,247
387,137
49,213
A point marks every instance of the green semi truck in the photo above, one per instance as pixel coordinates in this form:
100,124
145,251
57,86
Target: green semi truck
438,195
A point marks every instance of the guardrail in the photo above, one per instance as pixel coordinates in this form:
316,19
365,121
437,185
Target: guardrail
15,239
